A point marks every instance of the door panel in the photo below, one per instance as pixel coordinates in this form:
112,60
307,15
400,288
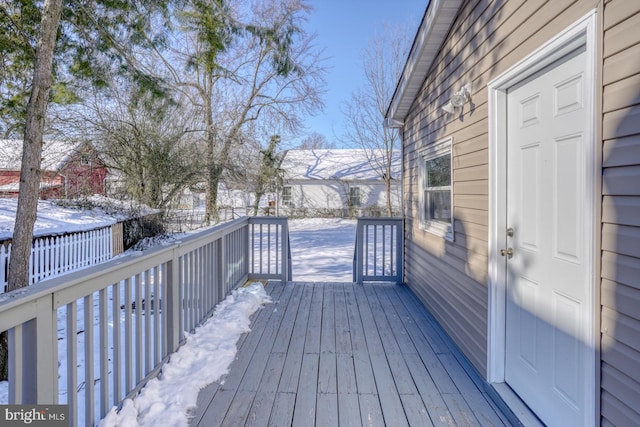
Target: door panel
546,277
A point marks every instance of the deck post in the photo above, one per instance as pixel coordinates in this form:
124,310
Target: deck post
400,252
33,356
286,262
47,346
173,303
223,267
358,273
16,365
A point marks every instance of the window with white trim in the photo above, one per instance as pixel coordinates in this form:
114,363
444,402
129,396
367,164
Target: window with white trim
436,190
286,196
354,196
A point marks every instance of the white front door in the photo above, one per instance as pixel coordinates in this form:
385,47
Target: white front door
547,275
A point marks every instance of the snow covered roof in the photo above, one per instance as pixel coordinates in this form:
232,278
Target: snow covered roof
342,164
54,154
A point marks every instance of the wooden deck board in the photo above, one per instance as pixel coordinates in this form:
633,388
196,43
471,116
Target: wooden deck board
260,410
433,401
348,410
328,329
417,414
282,412
414,307
239,408
283,337
348,355
327,414
343,333
305,408
370,411
346,374
312,340
356,329
328,373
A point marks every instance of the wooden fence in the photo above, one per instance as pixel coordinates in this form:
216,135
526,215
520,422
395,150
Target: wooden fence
55,255
121,320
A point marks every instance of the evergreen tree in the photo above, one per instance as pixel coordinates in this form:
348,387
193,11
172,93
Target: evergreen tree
90,40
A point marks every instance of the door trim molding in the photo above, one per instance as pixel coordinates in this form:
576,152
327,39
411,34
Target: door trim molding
581,33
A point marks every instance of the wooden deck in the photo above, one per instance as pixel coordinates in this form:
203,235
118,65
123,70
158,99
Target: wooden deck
340,354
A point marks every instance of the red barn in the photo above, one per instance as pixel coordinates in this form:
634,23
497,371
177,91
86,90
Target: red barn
69,169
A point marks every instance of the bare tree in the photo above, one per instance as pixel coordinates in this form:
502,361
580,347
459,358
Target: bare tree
264,65
382,63
269,171
148,142
315,141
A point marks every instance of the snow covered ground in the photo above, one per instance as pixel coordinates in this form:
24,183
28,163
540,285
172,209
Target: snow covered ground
54,219
164,401
321,249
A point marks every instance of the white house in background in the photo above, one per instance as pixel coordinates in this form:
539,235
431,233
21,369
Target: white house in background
337,182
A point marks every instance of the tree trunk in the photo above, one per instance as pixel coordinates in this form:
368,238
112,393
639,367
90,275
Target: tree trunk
211,204
216,168
387,185
211,198
32,151
256,201
32,147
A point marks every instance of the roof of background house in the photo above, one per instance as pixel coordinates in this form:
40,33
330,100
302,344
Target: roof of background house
341,164
54,154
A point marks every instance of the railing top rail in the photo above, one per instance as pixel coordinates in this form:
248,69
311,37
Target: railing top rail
110,272
267,219
380,220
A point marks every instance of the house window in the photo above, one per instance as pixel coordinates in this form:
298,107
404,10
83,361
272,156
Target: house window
354,196
286,196
436,191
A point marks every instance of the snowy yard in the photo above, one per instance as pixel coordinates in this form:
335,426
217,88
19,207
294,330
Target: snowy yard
322,249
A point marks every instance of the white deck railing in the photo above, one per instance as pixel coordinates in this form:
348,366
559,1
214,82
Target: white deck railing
55,255
270,252
378,252
121,320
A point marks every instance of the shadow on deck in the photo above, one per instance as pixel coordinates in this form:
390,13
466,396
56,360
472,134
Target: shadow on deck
330,354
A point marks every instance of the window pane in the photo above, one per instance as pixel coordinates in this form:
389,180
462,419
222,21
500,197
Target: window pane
354,196
286,196
439,171
438,205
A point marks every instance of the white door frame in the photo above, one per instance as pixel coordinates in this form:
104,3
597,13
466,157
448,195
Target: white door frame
581,33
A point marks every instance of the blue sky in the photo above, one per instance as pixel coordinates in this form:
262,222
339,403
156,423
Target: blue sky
343,29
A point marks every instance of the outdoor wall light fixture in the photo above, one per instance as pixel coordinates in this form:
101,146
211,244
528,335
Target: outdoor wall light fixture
458,99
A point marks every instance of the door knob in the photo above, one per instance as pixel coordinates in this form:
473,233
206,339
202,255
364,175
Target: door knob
507,252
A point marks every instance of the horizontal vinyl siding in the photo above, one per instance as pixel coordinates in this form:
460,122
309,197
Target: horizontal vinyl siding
620,269
448,294
487,38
